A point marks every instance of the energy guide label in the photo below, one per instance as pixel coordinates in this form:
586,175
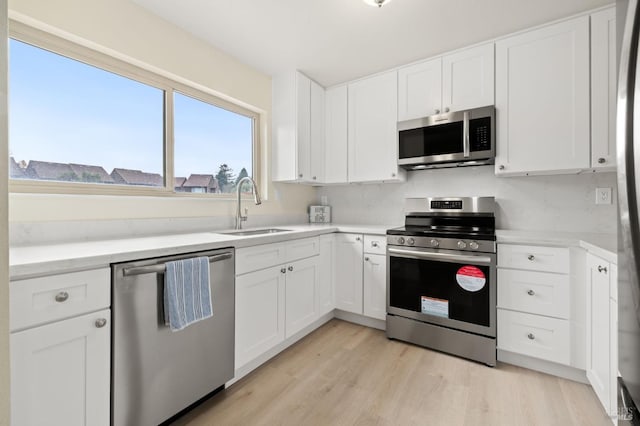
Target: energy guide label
471,278
433,306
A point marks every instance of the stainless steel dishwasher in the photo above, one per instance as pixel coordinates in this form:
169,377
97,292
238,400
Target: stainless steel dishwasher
157,373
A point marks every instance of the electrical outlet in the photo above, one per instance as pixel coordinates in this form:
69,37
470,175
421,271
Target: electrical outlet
603,195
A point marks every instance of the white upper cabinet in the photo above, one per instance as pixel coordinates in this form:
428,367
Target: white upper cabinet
335,148
298,129
420,90
542,100
373,134
468,78
455,82
603,89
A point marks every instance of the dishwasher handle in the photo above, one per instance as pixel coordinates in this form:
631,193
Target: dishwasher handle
161,267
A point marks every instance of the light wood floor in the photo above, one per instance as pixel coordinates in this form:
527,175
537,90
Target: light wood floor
345,374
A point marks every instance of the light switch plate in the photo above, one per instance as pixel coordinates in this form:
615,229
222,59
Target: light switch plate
603,195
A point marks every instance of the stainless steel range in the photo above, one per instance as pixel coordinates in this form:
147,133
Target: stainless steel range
441,277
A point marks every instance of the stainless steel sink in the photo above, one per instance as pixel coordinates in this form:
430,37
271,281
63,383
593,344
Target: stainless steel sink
255,232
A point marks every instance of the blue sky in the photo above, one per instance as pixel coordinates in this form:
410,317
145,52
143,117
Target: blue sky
68,112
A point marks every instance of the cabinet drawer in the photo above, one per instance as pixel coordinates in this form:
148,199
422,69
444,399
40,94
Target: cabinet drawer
302,248
375,244
534,292
45,299
534,335
259,257
534,258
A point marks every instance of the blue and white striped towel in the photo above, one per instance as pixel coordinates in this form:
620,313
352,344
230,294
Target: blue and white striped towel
187,297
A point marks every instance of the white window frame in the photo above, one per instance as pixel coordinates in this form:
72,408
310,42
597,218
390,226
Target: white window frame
59,45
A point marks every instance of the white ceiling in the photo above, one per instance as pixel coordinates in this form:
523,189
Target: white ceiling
333,41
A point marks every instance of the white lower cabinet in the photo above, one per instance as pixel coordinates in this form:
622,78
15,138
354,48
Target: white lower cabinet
60,372
348,280
280,296
375,286
260,313
602,365
326,274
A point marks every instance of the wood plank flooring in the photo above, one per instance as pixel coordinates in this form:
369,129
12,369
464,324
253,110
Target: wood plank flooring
346,374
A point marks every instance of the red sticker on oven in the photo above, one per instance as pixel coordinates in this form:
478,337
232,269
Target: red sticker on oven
471,278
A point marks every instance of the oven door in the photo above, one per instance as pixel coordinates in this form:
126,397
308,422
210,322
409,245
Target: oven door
443,287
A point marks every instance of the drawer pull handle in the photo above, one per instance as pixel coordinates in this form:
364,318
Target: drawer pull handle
602,269
101,322
531,336
62,296
531,293
357,238
366,259
531,257
374,244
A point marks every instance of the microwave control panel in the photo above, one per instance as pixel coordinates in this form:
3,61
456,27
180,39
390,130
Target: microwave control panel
480,134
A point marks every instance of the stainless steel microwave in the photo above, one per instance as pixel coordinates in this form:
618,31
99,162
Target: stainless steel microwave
460,138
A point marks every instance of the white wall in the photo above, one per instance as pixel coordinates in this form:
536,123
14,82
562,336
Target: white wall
4,237
126,30
551,203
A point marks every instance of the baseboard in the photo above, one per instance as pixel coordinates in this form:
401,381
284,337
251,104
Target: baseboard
361,320
548,367
257,362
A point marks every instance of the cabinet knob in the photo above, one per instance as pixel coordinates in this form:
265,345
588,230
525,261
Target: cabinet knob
283,270
300,175
437,111
101,322
501,167
374,244
601,160
531,336
62,296
314,178
531,293
446,109
602,269
290,268
358,238
531,257
393,175
366,259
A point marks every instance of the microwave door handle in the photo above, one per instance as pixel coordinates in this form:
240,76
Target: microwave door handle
466,146
439,256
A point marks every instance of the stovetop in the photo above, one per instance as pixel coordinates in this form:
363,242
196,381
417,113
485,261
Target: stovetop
474,233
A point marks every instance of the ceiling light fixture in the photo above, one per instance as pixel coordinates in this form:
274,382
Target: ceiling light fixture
378,3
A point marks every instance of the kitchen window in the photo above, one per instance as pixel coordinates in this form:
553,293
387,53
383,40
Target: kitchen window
84,122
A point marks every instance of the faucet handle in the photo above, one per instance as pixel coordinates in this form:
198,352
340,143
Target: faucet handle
246,212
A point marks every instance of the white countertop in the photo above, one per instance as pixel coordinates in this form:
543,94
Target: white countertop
603,245
30,261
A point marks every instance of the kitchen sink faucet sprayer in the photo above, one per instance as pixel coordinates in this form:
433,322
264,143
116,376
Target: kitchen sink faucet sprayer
256,198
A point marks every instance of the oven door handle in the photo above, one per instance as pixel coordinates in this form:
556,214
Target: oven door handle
439,256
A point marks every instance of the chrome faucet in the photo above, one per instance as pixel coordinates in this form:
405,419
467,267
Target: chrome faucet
256,197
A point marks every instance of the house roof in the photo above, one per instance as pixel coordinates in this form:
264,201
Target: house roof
50,171
136,177
88,173
15,171
178,181
201,181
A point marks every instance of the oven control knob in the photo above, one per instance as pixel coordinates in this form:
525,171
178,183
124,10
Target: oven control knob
462,244
434,243
473,245
411,241
400,240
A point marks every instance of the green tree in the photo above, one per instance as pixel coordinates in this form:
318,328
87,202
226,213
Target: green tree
225,178
246,187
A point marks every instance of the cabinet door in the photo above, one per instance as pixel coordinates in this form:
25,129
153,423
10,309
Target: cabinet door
598,329
603,89
375,286
301,298
420,90
542,100
468,78
335,154
327,270
303,126
60,373
348,278
260,312
373,135
316,153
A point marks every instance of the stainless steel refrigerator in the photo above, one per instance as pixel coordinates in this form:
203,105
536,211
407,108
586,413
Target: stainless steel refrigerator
628,146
